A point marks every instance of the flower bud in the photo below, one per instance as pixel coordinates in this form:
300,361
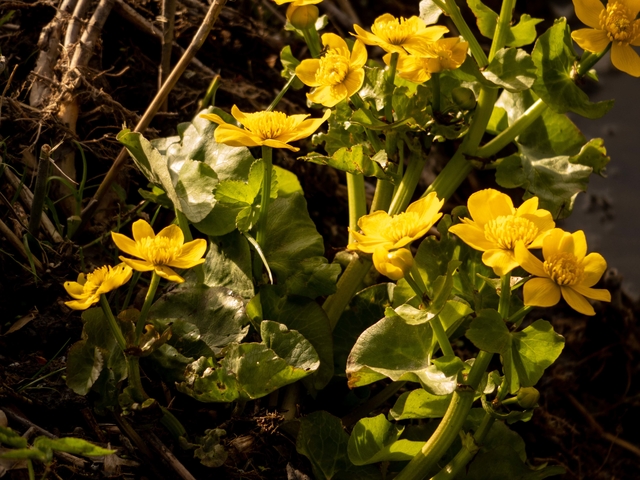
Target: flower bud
302,17
394,265
528,397
463,98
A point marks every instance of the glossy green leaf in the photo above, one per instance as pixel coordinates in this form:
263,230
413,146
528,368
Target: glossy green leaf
194,188
84,365
512,69
11,438
75,446
238,192
373,88
429,12
518,35
210,451
592,154
289,64
228,264
340,132
316,277
555,60
352,160
207,381
418,404
375,439
489,332
289,345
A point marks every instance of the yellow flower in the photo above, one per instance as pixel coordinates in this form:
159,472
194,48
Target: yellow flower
297,3
394,265
614,23
87,290
379,229
434,57
497,226
566,270
337,75
302,16
271,129
159,252
397,35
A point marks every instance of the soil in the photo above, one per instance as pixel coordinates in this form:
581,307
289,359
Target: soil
589,408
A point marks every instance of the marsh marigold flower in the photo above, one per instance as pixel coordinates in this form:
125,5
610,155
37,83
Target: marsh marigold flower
434,57
399,34
337,75
567,271
496,227
271,129
160,252
616,23
379,229
87,290
395,264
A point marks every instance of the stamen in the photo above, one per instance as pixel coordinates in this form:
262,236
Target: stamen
401,226
396,31
564,269
159,250
268,124
507,230
334,67
616,20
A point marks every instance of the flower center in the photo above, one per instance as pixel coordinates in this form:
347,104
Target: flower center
396,31
159,250
268,125
401,226
564,269
506,230
618,23
94,279
334,67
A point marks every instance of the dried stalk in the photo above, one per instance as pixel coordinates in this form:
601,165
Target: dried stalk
169,20
84,50
40,191
17,244
76,22
152,109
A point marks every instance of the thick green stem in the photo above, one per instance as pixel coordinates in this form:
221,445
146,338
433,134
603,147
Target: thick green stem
511,133
520,314
313,41
348,284
408,183
589,61
435,92
148,301
505,296
261,231
476,50
388,97
357,201
135,381
172,424
113,323
502,29
383,196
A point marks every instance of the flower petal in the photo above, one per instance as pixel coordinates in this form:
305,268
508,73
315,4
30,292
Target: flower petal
590,39
139,265
577,301
125,244
601,294
472,235
358,55
306,128
364,36
374,223
279,144
82,304
489,204
633,6
502,261
626,59
588,11
332,40
528,261
541,292
579,245
528,206
594,266
172,232
235,136
212,117
328,96
191,254
74,289
168,273
306,72
353,81
141,229
551,242
238,114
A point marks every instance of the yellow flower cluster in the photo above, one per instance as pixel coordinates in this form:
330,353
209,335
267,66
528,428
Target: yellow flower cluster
505,234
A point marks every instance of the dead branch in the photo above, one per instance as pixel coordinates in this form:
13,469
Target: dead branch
76,22
169,20
84,50
17,244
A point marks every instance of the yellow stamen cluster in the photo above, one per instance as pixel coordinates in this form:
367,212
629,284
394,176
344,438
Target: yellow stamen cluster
159,250
506,230
333,68
401,226
268,124
616,20
395,31
564,269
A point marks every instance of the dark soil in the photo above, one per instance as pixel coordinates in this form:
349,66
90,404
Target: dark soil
588,415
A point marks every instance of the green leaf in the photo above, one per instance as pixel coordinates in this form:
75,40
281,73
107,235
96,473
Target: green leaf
418,404
75,446
512,69
532,350
210,451
519,35
592,154
288,182
84,365
208,382
240,193
217,312
289,345
220,221
488,332
555,60
377,440
429,12
194,188
289,64
352,160
316,277
487,19
11,438
373,88
228,264
341,133
324,442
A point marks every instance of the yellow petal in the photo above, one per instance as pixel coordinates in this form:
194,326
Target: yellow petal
633,6
141,229
577,301
541,292
489,204
528,261
82,304
433,32
74,289
473,236
636,41
212,117
238,114
374,222
332,40
173,232
125,244
365,37
579,245
551,242
358,55
328,96
590,39
168,273
279,144
601,294
567,243
306,72
191,254
528,206
117,277
588,11
306,128
236,137
353,82
544,222
502,261
410,68
594,266
139,265
368,244
392,264
625,58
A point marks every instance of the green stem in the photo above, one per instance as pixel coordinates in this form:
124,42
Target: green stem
435,92
520,314
502,29
505,296
135,381
113,323
357,201
148,301
476,50
261,231
348,284
589,61
281,94
388,97
408,183
511,133
172,424
313,41
383,196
